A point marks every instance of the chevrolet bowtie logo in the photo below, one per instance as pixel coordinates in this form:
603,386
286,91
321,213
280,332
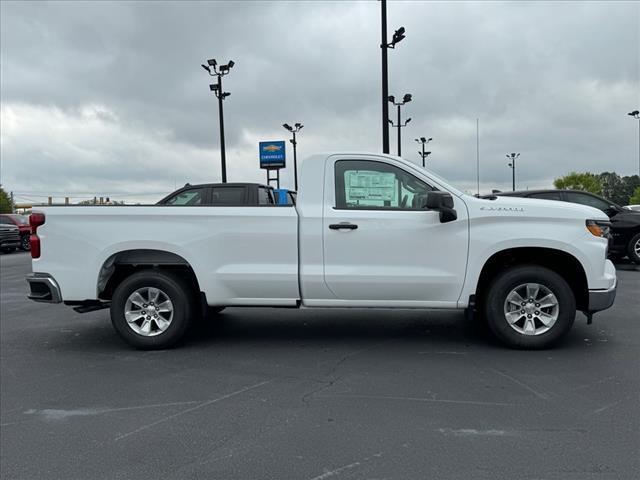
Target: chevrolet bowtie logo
272,148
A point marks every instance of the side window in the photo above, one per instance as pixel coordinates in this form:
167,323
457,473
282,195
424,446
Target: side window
265,196
194,196
584,199
547,196
230,196
366,184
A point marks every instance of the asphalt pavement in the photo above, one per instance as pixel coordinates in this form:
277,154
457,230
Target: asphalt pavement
315,394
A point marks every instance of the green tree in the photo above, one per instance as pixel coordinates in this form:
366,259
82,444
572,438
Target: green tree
630,187
5,202
586,181
613,187
635,198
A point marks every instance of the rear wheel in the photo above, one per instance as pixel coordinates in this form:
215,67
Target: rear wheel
530,307
152,309
633,249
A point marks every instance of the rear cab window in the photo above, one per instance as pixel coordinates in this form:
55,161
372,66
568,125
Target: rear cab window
229,196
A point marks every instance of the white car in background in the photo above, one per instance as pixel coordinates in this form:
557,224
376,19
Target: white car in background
633,207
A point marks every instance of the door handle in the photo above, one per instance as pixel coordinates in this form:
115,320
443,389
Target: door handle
343,226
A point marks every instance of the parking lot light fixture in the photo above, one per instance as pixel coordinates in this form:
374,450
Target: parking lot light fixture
636,114
423,141
219,71
385,45
512,164
295,129
405,99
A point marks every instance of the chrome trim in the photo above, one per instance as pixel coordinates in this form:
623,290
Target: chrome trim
52,286
602,299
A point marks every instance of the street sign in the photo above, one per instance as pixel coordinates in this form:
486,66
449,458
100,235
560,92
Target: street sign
272,154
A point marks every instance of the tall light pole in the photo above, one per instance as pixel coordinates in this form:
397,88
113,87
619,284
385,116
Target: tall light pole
422,153
512,164
384,46
220,71
295,129
636,114
405,99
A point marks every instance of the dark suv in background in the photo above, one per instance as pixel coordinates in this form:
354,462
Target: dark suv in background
625,223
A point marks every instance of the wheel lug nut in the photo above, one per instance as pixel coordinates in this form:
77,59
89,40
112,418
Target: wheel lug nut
537,313
521,311
149,318
144,304
143,312
529,316
537,304
523,304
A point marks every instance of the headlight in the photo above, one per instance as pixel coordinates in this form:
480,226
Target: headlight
599,228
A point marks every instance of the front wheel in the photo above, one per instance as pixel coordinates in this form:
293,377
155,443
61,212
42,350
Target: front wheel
633,250
25,244
151,309
530,307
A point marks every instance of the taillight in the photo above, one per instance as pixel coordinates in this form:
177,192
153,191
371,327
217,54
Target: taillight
35,220
34,245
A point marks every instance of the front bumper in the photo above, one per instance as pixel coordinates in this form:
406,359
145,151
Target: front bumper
602,299
43,288
10,243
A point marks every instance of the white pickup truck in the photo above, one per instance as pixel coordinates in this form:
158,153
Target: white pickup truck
367,231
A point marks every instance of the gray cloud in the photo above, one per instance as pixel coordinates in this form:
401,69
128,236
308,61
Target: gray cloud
109,97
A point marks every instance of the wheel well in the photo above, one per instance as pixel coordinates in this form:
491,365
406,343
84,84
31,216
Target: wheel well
562,263
123,264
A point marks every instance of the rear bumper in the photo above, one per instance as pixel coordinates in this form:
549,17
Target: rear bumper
43,288
602,299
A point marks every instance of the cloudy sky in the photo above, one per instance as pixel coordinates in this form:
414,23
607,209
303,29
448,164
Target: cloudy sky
110,99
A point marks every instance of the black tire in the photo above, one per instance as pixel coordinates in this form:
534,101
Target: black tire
504,283
174,288
25,244
631,249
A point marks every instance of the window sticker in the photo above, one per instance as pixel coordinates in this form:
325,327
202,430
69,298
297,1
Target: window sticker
370,186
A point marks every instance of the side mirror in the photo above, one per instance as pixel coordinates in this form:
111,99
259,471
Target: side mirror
442,202
611,210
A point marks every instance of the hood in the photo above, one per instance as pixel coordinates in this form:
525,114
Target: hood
518,206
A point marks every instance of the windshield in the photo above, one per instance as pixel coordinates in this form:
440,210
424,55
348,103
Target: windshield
441,180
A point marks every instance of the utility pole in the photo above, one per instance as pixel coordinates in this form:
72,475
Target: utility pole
220,71
295,129
512,164
384,46
423,154
399,124
636,114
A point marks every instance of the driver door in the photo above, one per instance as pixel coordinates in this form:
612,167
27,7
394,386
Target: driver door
381,248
